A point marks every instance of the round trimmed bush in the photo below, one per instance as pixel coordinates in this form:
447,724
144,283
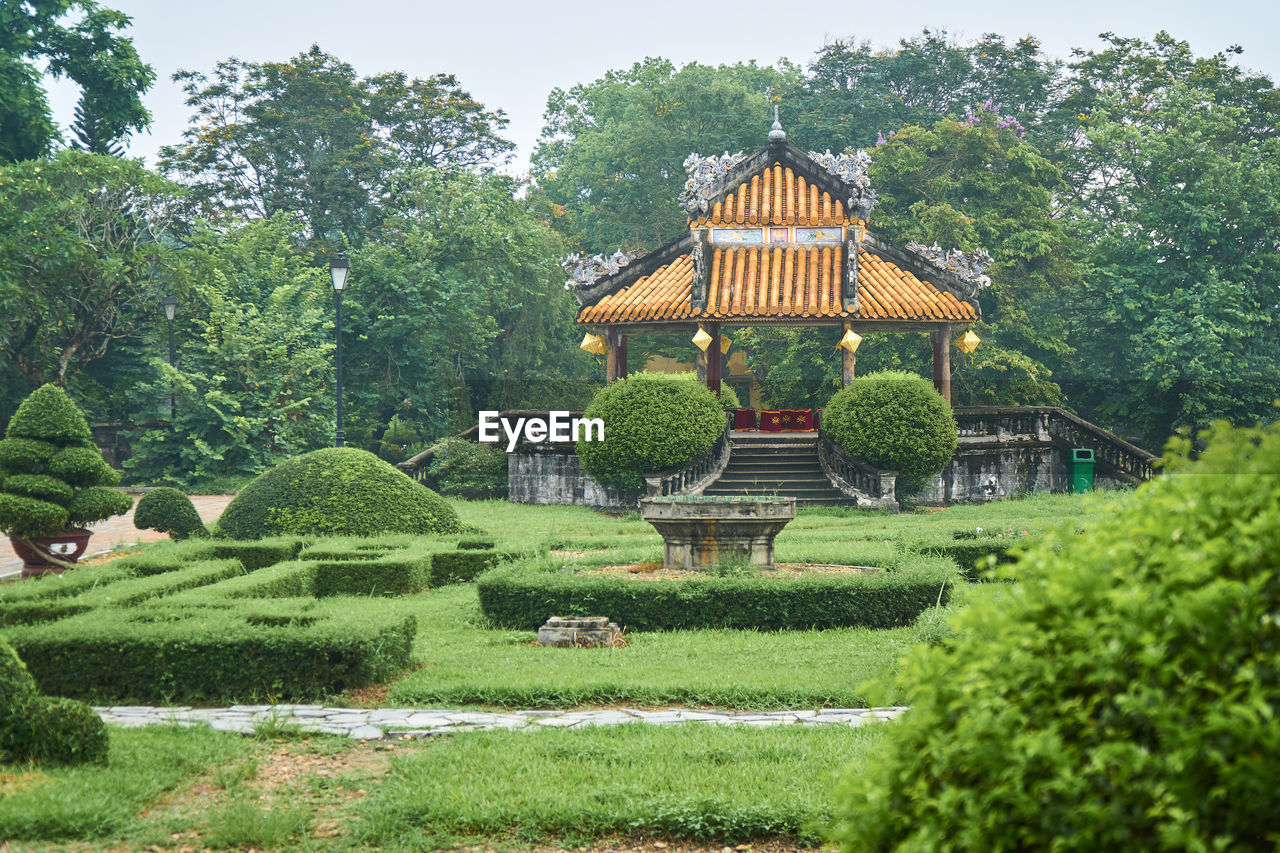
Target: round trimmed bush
1120,696
340,491
649,426
728,397
169,511
51,475
896,421
470,469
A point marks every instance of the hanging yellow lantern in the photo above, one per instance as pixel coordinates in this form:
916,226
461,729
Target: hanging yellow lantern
725,343
850,341
702,340
594,344
968,343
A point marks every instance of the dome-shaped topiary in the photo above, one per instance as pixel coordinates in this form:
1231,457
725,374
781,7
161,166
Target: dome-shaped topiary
1121,695
168,511
728,397
895,421
339,491
51,475
649,426
42,729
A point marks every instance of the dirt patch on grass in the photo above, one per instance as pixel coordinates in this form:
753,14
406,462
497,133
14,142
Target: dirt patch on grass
785,571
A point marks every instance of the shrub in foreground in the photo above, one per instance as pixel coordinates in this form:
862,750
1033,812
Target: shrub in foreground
895,421
168,510
1120,696
42,729
649,426
336,491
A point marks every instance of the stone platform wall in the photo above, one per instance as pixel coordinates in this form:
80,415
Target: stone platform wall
556,478
990,470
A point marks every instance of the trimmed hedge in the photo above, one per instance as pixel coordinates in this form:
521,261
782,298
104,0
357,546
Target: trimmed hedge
294,579
463,565
392,574
896,421
525,595
42,729
336,491
649,426
284,649
169,511
253,554
52,596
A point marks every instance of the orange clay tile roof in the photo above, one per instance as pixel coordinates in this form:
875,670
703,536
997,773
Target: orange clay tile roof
776,196
757,283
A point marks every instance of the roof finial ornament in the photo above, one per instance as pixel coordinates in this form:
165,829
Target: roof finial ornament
776,133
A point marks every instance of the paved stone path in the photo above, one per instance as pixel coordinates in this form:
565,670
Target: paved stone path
117,532
377,723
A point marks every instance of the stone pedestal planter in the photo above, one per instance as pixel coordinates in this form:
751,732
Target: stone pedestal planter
701,532
578,631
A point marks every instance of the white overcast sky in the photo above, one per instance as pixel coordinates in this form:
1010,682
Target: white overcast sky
510,55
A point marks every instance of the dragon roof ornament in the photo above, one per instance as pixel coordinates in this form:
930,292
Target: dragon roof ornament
850,168
704,173
969,267
584,272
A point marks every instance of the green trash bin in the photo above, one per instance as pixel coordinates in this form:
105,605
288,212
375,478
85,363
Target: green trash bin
1081,470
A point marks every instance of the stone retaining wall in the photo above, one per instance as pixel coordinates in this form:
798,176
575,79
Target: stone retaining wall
556,478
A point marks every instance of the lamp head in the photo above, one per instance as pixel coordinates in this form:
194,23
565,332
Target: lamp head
339,266
170,306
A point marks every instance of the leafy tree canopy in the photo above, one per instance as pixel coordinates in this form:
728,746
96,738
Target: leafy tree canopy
311,138
612,151
82,258
79,40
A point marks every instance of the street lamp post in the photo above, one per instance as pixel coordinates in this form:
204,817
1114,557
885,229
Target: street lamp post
170,306
339,266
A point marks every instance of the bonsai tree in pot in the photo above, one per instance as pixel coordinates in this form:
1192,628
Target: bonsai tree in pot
53,480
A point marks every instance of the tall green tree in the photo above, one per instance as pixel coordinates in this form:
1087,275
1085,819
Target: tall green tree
852,93
311,138
612,151
74,39
84,256
1180,319
254,373
459,305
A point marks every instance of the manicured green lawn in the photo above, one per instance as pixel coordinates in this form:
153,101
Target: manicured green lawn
463,663
101,802
693,780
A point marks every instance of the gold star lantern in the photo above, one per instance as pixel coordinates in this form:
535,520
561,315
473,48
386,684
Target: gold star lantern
594,344
702,340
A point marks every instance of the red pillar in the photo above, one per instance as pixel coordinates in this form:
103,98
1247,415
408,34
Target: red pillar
942,361
714,359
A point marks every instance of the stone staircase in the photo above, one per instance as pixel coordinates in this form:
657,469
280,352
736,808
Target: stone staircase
773,464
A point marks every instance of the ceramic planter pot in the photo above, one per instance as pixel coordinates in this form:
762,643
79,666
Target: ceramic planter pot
67,546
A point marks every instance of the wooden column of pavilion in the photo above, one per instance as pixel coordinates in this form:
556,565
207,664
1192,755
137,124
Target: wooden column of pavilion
778,238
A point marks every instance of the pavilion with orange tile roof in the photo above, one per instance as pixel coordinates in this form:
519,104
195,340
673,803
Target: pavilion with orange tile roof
777,237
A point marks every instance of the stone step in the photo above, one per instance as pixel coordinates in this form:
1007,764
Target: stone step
805,479
805,463
784,492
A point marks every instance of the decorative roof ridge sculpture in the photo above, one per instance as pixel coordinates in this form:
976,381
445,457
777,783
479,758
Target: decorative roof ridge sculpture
704,173
850,167
968,267
584,272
